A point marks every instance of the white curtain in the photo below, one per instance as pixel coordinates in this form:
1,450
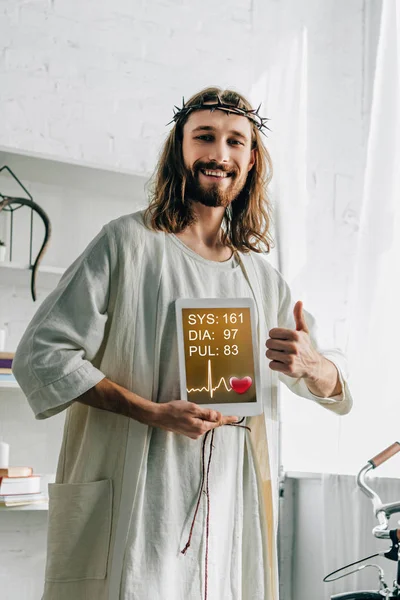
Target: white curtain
284,87
374,346
374,336
344,444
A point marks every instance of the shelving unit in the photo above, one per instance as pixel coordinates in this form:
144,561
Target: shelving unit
79,199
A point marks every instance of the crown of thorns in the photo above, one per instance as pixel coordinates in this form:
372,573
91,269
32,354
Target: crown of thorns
218,104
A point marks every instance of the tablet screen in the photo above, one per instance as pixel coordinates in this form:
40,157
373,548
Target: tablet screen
218,354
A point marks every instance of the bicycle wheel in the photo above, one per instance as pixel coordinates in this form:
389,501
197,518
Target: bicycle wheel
365,595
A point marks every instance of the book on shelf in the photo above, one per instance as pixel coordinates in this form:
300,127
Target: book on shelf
16,472
6,360
19,485
6,364
23,499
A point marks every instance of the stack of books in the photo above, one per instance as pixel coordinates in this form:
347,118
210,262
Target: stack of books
6,374
20,487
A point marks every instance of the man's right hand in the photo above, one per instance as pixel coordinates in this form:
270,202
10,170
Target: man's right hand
179,416
188,418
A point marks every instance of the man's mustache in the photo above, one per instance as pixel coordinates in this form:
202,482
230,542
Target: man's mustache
213,167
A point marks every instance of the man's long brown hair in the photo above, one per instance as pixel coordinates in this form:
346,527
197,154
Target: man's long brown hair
246,221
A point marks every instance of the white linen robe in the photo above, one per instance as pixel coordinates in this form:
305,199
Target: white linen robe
101,322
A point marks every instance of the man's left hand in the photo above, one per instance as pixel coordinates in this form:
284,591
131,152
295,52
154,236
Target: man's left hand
291,351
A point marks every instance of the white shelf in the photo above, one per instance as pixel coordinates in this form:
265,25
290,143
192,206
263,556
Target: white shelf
41,269
6,385
45,480
19,274
41,506
33,166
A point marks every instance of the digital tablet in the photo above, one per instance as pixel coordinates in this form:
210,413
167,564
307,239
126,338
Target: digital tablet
218,354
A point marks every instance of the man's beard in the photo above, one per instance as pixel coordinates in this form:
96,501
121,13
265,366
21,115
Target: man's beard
212,194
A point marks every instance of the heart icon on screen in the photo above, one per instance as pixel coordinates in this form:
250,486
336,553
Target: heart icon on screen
240,386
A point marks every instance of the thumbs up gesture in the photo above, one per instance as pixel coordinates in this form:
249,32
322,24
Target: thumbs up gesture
291,351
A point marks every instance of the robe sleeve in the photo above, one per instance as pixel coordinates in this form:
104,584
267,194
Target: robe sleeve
340,404
53,361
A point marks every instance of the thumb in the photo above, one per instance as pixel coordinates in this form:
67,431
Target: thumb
208,414
299,317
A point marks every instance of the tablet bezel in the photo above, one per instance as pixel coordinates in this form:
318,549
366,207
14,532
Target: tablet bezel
241,409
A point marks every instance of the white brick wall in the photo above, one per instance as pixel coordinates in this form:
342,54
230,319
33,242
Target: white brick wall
96,81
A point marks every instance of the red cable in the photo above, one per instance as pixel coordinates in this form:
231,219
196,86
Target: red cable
208,500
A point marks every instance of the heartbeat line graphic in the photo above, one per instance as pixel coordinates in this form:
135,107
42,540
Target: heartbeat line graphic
209,387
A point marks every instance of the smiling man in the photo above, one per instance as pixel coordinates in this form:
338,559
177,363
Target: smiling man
126,520
217,158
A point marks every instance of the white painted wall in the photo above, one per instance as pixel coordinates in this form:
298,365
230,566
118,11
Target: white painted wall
95,82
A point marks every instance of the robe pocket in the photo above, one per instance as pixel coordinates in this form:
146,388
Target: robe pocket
79,530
